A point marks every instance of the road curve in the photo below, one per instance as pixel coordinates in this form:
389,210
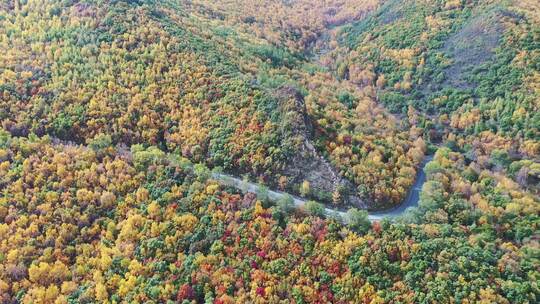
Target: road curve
412,197
410,201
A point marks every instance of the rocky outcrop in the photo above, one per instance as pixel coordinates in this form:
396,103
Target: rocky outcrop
307,164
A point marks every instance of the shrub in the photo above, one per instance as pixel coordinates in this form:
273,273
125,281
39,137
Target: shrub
286,204
314,208
358,220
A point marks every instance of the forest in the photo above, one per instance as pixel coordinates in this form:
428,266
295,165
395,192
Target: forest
117,117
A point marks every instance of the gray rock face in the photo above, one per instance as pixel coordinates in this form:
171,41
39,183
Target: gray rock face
307,164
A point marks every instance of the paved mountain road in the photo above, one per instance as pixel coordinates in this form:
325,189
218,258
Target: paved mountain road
410,201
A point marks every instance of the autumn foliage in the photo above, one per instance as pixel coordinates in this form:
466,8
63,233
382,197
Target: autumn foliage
113,115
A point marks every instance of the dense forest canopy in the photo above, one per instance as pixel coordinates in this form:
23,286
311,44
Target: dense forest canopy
116,115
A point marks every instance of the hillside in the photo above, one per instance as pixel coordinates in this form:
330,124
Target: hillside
118,117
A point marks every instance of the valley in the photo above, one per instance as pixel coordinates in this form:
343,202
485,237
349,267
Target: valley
269,151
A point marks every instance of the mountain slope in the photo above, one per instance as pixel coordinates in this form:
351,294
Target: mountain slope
115,116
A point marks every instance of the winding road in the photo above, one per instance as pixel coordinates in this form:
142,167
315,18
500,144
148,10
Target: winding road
410,201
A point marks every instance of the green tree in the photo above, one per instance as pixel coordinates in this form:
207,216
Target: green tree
202,172
314,208
286,204
358,220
